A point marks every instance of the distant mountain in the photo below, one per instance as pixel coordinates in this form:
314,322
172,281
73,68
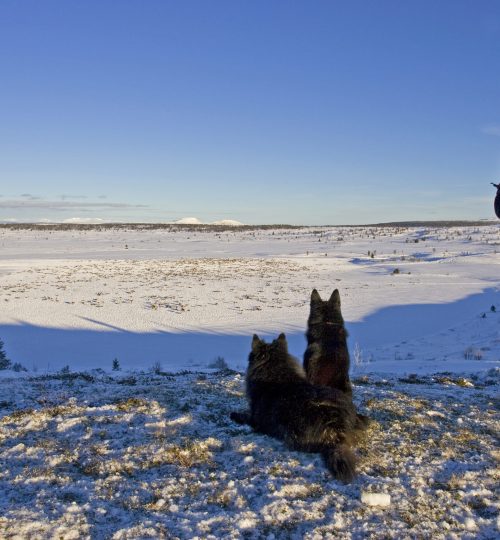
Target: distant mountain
188,221
196,221
227,223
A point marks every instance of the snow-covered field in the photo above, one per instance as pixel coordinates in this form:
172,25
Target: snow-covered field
149,451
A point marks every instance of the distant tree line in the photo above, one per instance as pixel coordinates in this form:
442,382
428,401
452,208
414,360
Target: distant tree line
174,227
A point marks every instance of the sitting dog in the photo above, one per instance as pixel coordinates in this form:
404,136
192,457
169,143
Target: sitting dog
326,359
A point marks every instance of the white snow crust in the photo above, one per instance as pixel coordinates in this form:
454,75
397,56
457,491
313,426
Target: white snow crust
149,451
185,297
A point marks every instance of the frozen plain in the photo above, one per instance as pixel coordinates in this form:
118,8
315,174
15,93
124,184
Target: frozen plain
83,298
135,453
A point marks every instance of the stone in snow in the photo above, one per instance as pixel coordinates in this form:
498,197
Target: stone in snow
375,499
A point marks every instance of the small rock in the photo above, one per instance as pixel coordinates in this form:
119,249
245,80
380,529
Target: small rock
375,499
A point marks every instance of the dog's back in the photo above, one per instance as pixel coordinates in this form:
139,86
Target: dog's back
326,359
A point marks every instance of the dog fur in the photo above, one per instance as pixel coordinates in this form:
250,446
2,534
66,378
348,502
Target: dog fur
326,359
307,417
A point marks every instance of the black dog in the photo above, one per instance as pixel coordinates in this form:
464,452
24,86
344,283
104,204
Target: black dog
326,359
497,200
307,417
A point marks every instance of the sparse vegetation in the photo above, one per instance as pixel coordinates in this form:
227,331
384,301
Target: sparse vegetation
156,367
118,455
219,363
17,367
471,353
4,361
139,464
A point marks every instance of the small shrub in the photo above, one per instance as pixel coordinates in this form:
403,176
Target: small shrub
473,354
132,404
219,363
18,367
4,361
65,370
493,309
395,271
116,365
156,368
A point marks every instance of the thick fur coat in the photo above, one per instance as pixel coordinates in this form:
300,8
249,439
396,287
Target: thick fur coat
497,200
285,405
326,359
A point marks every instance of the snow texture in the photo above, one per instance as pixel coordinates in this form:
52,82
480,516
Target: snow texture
148,450
87,455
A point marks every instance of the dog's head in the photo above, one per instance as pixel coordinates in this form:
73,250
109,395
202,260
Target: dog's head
326,311
259,345
263,352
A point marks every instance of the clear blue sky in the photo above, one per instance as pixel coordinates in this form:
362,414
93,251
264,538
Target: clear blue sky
305,112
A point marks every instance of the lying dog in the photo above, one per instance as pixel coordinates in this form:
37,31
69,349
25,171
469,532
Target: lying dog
307,417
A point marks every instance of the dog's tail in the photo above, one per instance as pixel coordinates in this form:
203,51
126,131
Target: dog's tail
340,461
241,417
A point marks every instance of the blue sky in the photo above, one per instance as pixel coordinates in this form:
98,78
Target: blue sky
302,112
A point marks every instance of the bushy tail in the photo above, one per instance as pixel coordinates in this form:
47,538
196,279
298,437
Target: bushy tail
341,462
241,417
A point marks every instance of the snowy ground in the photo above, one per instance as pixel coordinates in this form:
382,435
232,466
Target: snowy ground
156,456
131,454
83,298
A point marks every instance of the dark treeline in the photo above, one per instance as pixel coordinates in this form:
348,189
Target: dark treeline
479,223
173,227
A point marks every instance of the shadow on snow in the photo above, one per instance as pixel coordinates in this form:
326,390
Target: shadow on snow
50,349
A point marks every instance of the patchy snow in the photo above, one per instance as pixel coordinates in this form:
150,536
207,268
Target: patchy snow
156,455
149,450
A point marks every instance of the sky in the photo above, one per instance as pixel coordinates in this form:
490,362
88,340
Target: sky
262,111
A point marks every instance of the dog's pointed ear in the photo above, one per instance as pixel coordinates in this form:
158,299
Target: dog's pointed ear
315,297
255,342
335,298
282,341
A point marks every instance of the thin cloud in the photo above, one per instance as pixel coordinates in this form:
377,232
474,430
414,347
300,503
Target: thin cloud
491,129
65,197
30,197
65,205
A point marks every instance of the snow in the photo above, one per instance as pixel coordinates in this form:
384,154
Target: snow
89,454
228,222
188,221
184,298
375,499
196,221
149,451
